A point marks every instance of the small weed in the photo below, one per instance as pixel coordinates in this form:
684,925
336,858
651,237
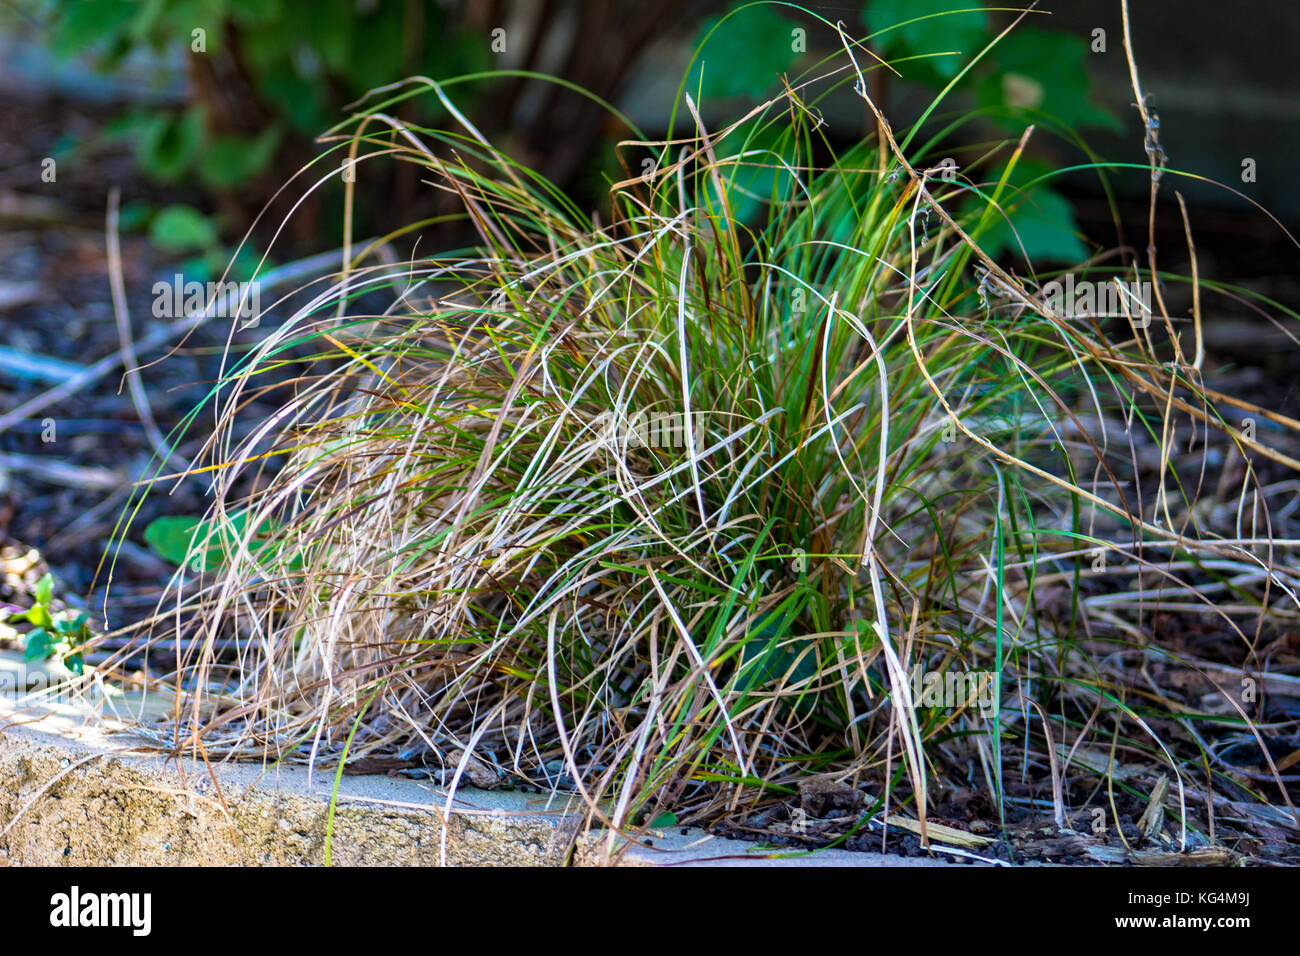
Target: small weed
56,636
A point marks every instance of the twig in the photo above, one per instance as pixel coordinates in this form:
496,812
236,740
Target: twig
132,375
15,363
1196,286
1155,155
60,473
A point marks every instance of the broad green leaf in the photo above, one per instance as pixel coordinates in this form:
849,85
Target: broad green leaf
255,12
45,589
456,51
149,16
70,625
768,655
180,539
744,55
1035,216
134,215
243,265
1043,70
372,62
170,537
759,174
89,23
38,614
38,646
168,143
182,228
961,30
300,99
230,160
328,26
1042,222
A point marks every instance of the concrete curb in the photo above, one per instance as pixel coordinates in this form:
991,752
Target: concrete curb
79,789
75,794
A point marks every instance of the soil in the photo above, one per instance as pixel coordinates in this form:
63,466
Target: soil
1031,833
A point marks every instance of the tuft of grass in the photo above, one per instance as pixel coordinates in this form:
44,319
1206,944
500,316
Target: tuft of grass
684,502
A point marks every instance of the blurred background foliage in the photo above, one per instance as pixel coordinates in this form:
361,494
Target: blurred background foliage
259,79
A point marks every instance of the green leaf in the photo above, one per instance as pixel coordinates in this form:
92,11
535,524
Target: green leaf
181,228
1043,70
297,97
90,23
1033,215
768,655
867,635
743,56
960,33
206,545
244,263
168,143
45,589
230,160
148,17
71,624
38,615
372,62
171,537
38,646
759,174
664,820
328,27
134,215
1042,222
451,52
255,12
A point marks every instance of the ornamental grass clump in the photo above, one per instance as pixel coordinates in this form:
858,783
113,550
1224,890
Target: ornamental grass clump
675,510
